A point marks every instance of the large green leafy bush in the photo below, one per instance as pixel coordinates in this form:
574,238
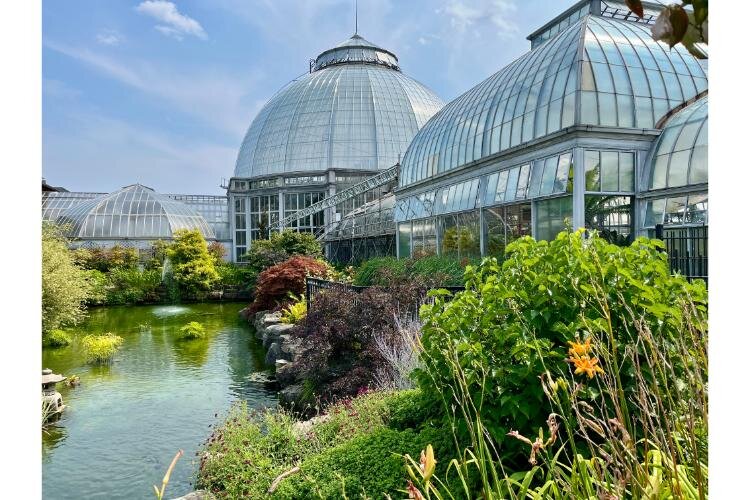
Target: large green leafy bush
514,322
193,267
65,285
279,247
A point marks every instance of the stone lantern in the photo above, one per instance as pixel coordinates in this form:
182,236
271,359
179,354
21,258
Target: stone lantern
50,396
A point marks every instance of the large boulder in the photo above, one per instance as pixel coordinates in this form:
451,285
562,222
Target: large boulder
291,346
197,495
290,397
272,333
286,374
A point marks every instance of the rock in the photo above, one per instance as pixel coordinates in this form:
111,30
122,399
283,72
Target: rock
273,353
197,495
285,372
303,428
291,396
272,333
291,346
265,318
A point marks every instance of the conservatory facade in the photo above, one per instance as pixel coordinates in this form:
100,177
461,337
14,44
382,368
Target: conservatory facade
351,116
597,126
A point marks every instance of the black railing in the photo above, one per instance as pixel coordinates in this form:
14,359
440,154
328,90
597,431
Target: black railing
687,250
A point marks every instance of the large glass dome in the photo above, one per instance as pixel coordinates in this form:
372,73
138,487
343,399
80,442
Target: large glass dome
598,71
355,110
133,212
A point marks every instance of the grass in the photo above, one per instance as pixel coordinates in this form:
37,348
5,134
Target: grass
192,330
100,349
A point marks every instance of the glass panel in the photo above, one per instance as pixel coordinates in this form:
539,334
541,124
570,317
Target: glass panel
404,240
552,217
502,184
654,213
674,213
697,209
678,168
536,178
503,225
592,171
523,181
510,191
609,160
699,165
490,189
563,172
548,178
610,216
627,166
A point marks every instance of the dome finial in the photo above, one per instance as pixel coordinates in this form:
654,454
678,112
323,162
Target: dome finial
356,17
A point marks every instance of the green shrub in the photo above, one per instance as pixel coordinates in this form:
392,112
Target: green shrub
65,284
232,274
192,330
279,247
434,270
100,287
293,313
106,259
514,322
100,349
377,271
132,286
193,267
56,338
368,465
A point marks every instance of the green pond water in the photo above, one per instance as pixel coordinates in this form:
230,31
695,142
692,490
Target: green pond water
125,422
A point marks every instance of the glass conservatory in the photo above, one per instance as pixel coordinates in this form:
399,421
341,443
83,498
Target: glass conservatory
133,216
351,116
558,138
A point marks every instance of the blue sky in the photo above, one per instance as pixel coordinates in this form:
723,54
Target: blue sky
162,92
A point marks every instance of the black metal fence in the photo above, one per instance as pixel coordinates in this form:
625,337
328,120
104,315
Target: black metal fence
687,250
313,286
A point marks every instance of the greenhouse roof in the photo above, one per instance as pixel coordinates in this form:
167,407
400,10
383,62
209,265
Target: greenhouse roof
597,71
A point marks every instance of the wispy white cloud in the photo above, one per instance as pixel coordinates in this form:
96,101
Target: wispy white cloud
100,153
175,24
464,15
59,89
219,99
109,37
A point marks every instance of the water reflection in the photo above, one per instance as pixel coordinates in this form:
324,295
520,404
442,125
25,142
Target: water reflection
126,420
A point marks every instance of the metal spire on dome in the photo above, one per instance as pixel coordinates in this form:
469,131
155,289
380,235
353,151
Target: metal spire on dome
356,17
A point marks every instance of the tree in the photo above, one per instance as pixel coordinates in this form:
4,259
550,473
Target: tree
65,285
193,267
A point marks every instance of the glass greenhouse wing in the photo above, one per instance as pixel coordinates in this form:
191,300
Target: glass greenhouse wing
135,212
680,155
597,71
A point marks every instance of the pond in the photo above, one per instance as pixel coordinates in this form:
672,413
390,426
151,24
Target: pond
124,422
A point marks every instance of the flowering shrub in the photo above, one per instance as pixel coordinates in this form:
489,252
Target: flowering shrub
277,282
517,321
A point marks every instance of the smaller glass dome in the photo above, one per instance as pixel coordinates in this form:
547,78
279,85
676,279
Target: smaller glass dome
680,156
136,212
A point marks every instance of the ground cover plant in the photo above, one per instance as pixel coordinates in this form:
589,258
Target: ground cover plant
353,448
100,349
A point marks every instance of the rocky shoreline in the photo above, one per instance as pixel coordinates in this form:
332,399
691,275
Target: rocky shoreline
282,349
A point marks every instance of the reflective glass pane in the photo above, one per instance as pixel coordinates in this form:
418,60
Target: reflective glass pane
592,171
609,171
523,181
548,178
699,165
627,168
510,191
654,213
678,169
